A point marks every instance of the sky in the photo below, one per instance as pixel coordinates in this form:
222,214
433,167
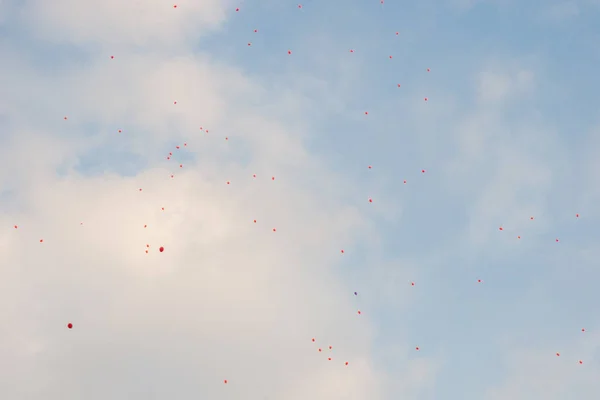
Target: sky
130,126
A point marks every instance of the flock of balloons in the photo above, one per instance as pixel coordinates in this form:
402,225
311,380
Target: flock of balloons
170,155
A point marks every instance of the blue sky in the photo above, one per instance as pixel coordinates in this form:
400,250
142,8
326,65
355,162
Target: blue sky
509,131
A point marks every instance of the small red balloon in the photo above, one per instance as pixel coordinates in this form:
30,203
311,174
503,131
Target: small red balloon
161,249
70,325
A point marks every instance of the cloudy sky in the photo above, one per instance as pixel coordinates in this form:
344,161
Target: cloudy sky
95,97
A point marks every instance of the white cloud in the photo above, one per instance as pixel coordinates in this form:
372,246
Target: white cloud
228,299
497,86
114,23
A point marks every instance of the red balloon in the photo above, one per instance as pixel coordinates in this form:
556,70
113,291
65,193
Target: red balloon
161,249
70,325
